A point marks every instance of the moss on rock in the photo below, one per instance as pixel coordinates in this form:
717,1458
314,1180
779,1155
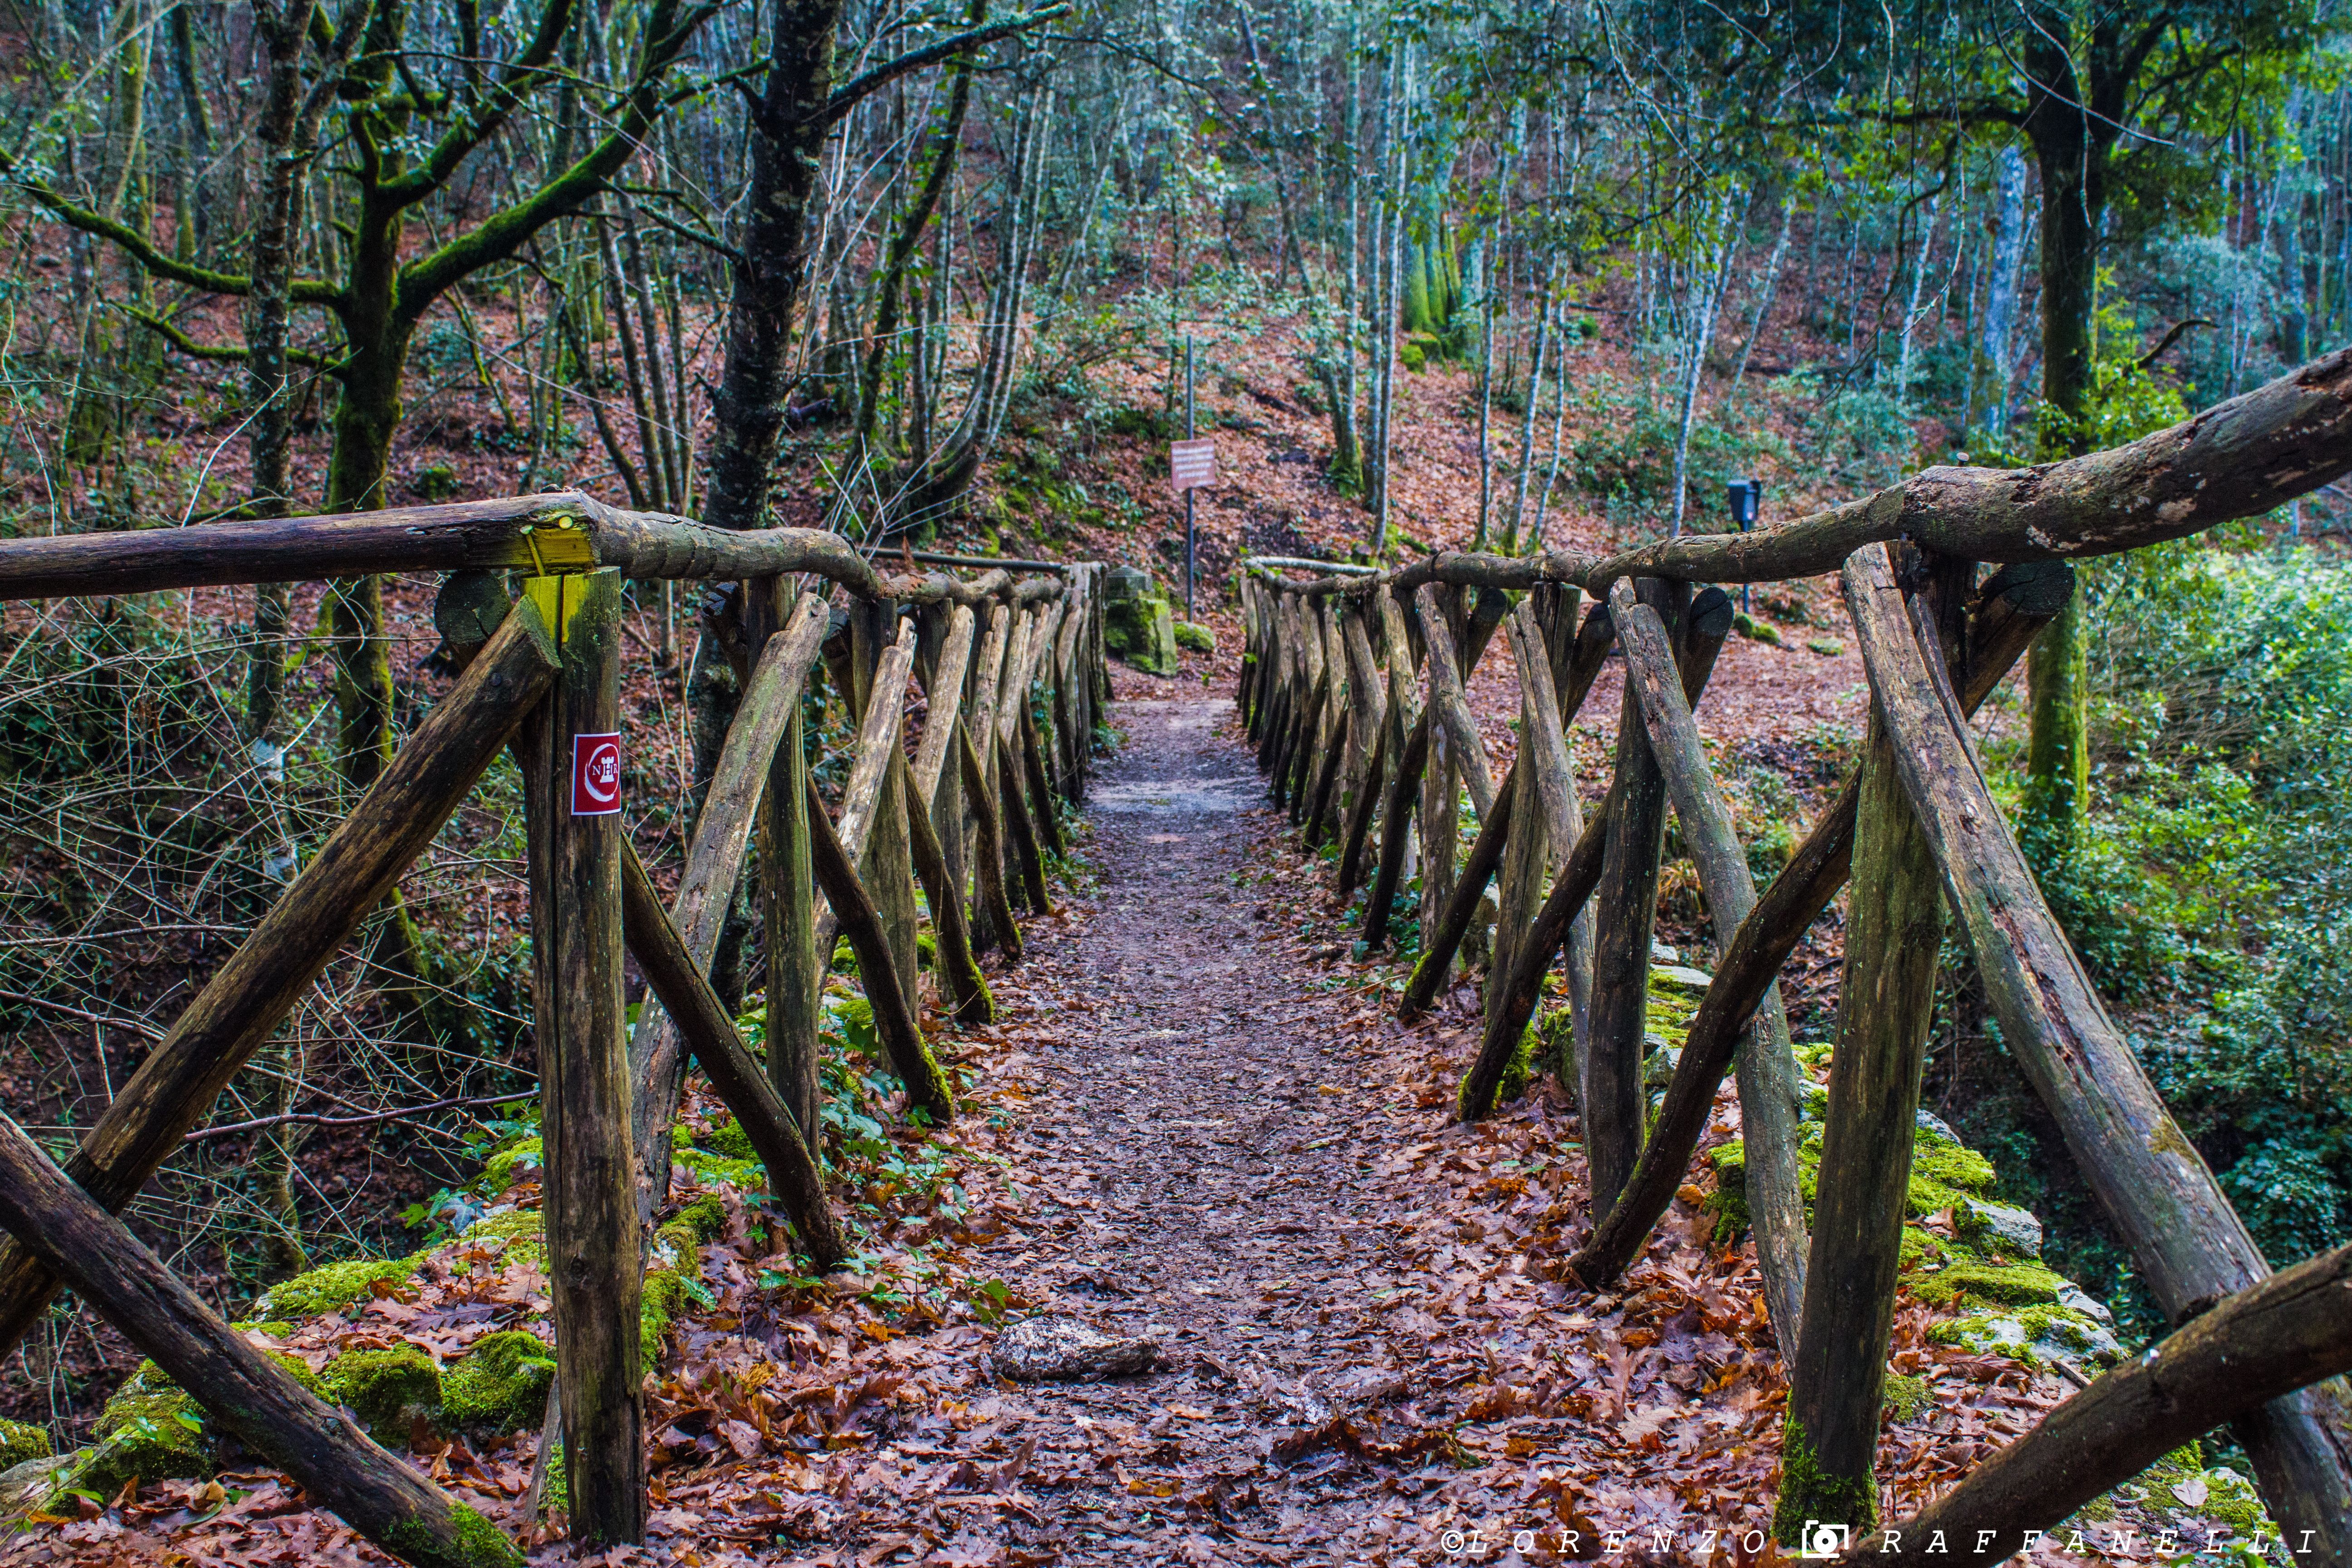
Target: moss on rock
499,1385
2010,1284
499,1171
329,1288
20,1441
386,1389
150,1429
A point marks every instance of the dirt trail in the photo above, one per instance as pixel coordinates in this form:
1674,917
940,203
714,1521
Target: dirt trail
1222,1207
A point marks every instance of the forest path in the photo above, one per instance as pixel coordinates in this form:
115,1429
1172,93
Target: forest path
1204,1185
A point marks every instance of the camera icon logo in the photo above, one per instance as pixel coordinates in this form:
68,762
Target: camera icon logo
1822,1539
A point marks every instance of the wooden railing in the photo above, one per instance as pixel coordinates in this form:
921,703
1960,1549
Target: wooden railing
970,817
1352,686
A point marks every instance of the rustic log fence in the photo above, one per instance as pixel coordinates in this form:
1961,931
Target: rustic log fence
1352,688
1013,683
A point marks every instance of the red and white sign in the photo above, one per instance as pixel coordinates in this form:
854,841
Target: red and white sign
596,775
1192,464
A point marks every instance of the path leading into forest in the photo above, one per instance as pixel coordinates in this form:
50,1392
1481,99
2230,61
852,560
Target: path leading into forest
1209,1120
1239,1154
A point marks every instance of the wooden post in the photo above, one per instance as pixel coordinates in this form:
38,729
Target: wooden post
241,1006
1367,749
1894,929
1028,856
893,1021
2256,1348
1610,1096
1579,873
863,799
988,930
1577,654
1439,814
2149,1178
2012,607
710,1035
760,744
1447,671
1478,868
1408,743
992,907
1767,1071
254,1397
788,911
960,981
590,1174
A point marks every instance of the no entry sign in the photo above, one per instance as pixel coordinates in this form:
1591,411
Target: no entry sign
596,775
1192,464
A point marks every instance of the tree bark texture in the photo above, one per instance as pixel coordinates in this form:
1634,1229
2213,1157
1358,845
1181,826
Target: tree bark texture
1611,1095
1769,1084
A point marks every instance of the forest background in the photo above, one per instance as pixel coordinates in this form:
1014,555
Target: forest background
1463,275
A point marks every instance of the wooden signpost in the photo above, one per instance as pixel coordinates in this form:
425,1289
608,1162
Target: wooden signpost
1190,463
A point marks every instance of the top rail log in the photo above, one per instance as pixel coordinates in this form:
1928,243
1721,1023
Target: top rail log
562,531
2239,458
2148,1177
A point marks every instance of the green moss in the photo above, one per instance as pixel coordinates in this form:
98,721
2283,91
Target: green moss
675,1256
1520,1069
328,1289
1905,1396
1672,1006
480,1544
20,1441
523,1232
729,1139
845,957
706,1216
499,1385
387,1389
1942,1172
743,1175
148,1429
498,1172
2010,1284
1917,1247
1807,1492
926,950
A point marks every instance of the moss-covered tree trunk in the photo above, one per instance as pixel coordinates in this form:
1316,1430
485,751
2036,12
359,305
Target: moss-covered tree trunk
2072,138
